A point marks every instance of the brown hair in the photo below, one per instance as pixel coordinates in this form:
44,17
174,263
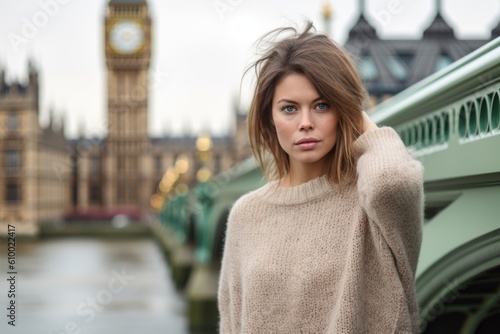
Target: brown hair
336,80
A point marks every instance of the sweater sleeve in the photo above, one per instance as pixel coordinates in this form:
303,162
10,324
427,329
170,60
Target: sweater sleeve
390,188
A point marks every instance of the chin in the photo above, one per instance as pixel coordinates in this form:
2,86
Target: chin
310,160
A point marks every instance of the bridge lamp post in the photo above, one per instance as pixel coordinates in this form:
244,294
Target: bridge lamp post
327,18
156,201
202,286
159,201
165,189
204,174
181,189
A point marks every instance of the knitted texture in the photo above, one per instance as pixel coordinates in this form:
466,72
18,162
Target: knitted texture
319,258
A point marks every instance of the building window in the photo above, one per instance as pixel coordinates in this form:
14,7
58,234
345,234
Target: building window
13,122
94,165
406,58
120,162
12,192
442,61
12,160
368,68
95,194
132,163
397,67
158,164
120,193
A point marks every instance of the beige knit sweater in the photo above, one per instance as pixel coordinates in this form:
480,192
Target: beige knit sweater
316,258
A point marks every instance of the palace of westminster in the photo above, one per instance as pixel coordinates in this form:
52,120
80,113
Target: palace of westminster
45,176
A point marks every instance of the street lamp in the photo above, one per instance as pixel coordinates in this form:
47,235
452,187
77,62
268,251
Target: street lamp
203,175
327,17
204,146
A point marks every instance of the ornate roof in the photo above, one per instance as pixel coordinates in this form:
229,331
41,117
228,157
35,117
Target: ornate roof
495,32
388,66
362,29
439,28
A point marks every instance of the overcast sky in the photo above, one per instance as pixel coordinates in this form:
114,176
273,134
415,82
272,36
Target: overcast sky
200,50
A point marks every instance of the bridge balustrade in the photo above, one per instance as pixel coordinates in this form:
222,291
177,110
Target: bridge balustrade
451,122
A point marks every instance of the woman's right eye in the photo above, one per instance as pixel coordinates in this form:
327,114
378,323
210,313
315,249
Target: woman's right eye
288,109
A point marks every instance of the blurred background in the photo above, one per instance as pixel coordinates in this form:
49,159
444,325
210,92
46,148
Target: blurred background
123,145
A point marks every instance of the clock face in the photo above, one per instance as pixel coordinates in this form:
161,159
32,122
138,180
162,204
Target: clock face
126,37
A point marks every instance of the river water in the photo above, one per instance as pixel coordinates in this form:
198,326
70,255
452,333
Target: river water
91,285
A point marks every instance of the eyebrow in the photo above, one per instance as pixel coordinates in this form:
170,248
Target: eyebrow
292,101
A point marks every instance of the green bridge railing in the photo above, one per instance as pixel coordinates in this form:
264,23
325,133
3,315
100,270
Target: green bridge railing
457,105
451,121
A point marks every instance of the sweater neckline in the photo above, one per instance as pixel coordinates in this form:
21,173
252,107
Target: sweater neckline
302,193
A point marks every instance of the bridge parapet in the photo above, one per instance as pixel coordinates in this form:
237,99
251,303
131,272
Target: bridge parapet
474,117
451,122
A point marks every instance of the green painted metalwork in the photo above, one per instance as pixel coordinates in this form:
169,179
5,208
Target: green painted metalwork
208,202
216,198
471,118
451,122
474,322
203,194
464,77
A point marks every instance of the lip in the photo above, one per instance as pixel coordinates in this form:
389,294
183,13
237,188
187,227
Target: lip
307,143
307,140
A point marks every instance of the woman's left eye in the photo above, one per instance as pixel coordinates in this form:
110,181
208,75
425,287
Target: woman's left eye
322,106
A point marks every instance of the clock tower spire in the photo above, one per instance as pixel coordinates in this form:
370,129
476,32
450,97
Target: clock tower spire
128,159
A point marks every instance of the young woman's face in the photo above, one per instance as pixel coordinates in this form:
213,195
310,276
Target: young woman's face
305,124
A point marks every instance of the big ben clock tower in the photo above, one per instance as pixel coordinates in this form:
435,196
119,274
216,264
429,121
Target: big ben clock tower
128,162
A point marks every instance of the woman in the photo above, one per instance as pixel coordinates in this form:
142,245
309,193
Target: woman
331,243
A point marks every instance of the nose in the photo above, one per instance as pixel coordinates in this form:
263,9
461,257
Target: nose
306,121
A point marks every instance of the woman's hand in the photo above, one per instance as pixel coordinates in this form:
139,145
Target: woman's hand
368,124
